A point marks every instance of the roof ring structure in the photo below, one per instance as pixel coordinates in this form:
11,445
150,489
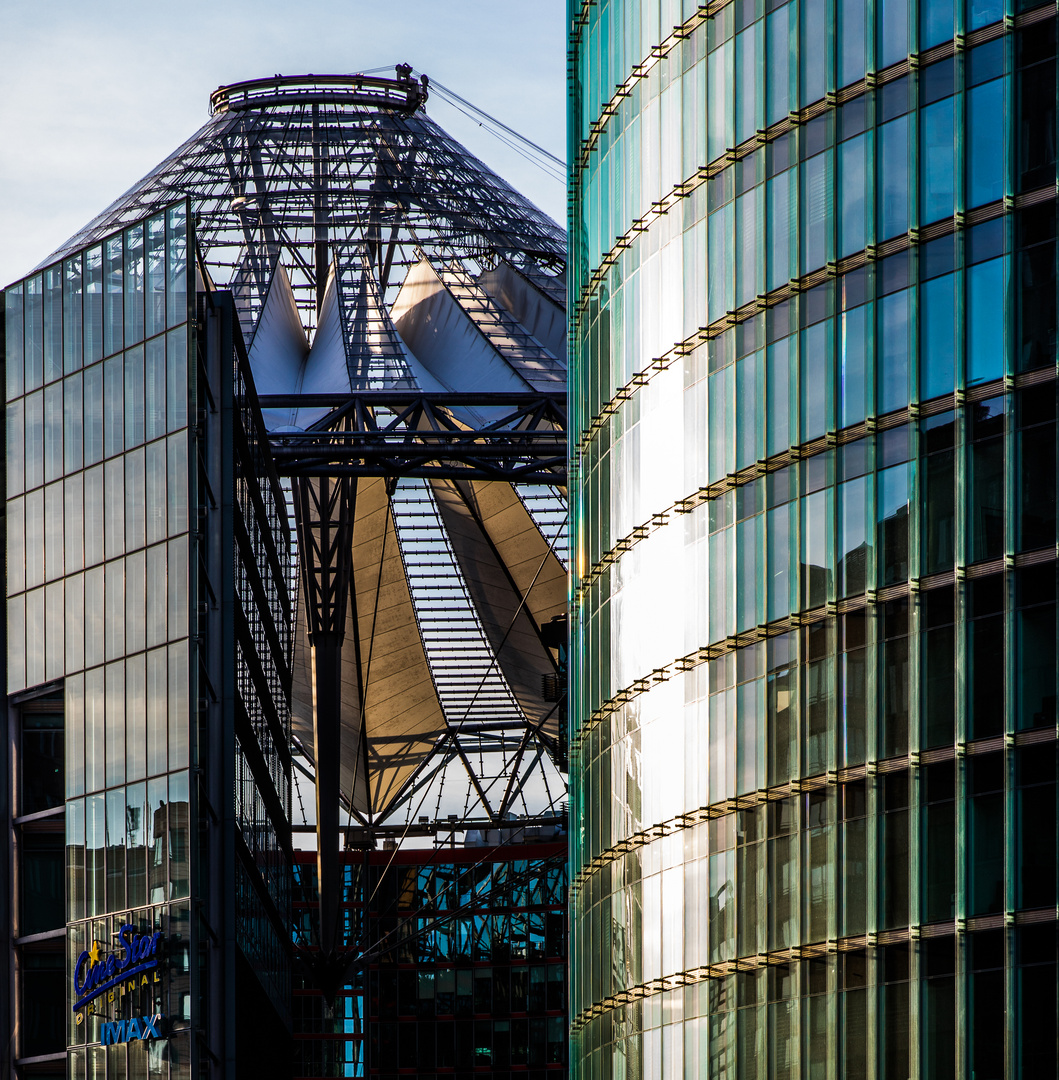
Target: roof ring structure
403,94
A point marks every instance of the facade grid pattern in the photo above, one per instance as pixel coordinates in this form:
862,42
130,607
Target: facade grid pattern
813,476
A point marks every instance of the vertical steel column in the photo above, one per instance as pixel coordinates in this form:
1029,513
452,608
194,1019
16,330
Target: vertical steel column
324,516
321,208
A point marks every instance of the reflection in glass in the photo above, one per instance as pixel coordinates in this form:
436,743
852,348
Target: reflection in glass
136,843
75,859
115,829
95,844
157,840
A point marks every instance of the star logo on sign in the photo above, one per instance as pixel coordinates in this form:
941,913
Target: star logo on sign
93,953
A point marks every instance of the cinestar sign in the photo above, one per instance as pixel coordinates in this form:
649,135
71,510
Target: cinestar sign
139,1027
95,973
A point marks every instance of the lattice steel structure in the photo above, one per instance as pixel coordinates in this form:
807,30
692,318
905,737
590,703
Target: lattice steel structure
403,313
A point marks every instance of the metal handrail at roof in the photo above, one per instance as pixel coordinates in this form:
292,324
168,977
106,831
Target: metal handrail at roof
370,91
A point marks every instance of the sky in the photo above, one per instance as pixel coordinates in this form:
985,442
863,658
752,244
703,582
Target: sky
93,95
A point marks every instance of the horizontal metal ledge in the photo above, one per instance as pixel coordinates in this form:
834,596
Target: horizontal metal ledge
404,398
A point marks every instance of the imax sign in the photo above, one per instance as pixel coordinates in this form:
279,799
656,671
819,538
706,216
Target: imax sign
139,1027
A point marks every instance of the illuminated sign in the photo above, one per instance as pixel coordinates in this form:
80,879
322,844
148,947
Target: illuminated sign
139,1027
96,974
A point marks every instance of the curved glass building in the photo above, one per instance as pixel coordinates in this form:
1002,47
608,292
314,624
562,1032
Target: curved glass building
813,451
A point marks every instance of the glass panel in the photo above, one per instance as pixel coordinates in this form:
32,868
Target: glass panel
53,532
34,332
55,614
113,297
73,522
94,729
938,177
157,710
155,385
16,644
15,448
75,623
115,849
16,546
73,423
178,587
157,596
136,716
114,507
134,402
157,841
115,608
134,285
156,496
155,268
135,496
34,462
179,732
53,323
34,505
986,292
179,836
95,846
73,332
177,378
93,422
14,341
177,265
177,485
94,617
136,843
93,515
115,731
93,305
135,620
113,407
75,859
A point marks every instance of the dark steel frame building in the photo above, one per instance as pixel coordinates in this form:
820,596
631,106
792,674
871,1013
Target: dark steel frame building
285,441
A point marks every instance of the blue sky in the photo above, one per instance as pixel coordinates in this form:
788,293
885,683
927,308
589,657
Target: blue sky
93,95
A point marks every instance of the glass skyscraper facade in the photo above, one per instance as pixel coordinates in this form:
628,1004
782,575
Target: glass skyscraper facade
813,478
148,674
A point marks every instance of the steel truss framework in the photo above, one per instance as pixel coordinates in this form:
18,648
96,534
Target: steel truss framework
403,310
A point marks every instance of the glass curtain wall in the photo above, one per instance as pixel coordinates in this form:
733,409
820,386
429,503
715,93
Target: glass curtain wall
98,387
813,480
